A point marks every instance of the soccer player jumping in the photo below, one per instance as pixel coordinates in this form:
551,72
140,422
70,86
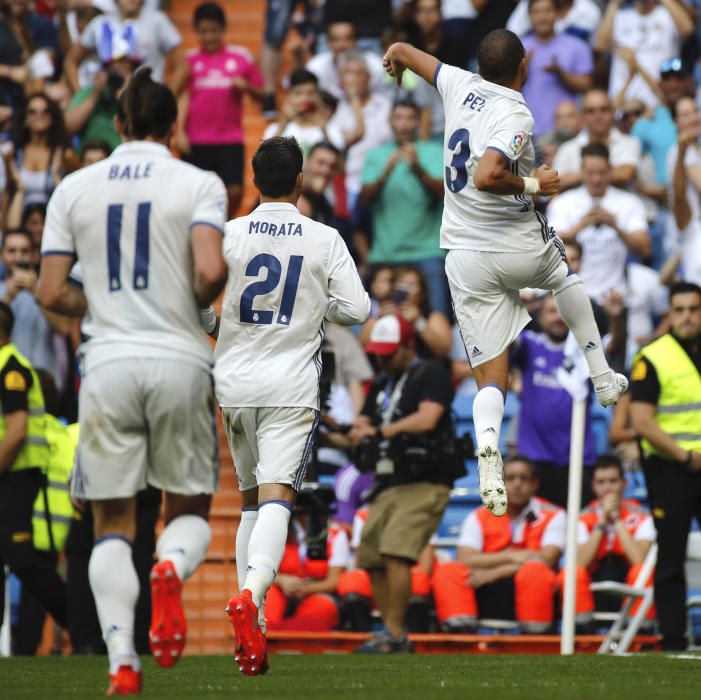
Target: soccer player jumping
497,243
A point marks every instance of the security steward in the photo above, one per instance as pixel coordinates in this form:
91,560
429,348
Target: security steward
24,455
403,432
666,414
53,514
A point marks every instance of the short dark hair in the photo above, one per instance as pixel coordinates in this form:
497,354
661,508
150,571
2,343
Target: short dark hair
302,76
209,11
147,108
522,458
7,319
17,232
325,146
31,209
595,150
533,2
574,243
276,165
96,145
684,288
405,102
499,56
608,461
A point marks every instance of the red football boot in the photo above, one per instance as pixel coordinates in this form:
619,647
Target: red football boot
251,646
168,626
126,681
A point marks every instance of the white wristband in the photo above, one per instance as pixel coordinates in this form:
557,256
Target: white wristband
420,324
531,185
208,319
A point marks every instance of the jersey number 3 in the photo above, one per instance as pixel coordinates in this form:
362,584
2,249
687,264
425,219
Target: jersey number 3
461,138
289,290
114,251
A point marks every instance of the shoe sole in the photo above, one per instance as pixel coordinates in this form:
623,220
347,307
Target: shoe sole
251,645
493,492
168,625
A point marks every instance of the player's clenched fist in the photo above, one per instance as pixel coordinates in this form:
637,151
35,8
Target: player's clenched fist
549,180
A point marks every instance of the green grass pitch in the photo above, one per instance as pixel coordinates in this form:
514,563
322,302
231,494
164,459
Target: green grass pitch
587,677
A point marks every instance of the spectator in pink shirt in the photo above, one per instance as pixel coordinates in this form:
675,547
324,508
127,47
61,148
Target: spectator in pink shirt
210,110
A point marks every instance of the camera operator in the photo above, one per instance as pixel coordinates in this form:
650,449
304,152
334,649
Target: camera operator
91,112
405,436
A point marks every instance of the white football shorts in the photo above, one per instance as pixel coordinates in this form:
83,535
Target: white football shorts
146,421
270,445
485,291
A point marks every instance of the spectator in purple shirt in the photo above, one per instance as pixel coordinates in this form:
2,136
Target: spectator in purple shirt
546,407
560,65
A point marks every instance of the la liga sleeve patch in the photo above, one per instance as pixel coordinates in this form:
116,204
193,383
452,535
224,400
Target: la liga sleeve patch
518,141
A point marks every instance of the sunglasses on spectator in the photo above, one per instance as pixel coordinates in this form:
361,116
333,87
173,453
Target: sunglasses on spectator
674,66
633,113
34,112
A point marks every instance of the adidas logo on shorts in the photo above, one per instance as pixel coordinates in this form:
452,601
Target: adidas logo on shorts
476,352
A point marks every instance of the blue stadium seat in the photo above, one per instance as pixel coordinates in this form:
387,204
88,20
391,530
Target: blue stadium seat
455,513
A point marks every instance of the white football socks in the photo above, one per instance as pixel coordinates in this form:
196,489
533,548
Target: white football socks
115,587
487,414
266,547
243,536
184,542
575,308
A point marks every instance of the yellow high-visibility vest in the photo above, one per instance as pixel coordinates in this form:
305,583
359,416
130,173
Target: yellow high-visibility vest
679,403
62,444
35,449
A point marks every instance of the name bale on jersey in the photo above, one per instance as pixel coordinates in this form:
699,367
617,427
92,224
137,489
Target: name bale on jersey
130,171
289,228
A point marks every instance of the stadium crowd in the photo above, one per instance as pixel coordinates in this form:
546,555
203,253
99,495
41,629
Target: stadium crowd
614,90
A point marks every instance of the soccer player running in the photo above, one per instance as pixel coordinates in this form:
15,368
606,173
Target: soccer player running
288,274
147,229
497,243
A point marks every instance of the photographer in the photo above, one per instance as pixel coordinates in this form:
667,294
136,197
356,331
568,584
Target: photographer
34,329
92,110
405,435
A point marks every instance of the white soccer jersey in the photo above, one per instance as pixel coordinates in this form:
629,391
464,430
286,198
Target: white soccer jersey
287,273
480,115
128,221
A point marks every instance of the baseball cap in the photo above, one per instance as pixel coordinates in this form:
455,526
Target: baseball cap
388,334
673,66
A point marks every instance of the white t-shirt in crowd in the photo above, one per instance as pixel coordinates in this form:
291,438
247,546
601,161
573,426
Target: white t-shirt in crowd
654,38
647,297
623,150
128,219
324,68
471,534
604,254
376,114
480,115
149,37
458,9
308,136
287,275
582,19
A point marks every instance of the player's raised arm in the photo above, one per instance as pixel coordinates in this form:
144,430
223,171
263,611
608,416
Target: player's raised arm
494,176
401,56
